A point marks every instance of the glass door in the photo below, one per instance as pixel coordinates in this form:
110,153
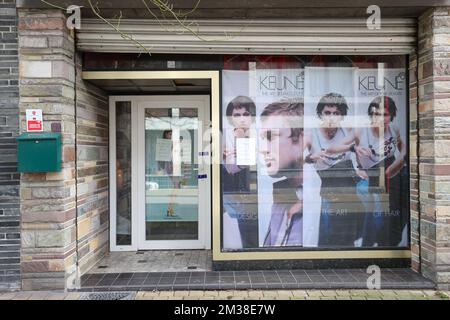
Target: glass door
173,173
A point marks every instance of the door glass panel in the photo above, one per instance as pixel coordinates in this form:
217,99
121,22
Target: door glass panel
171,173
123,173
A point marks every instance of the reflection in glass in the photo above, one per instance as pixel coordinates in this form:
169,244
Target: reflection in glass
123,173
343,181
171,167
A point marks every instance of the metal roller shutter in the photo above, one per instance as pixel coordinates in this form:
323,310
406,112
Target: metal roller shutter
307,36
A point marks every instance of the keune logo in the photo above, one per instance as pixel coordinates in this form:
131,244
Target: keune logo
371,83
281,82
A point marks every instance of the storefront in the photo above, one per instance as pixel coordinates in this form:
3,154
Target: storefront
287,143
188,160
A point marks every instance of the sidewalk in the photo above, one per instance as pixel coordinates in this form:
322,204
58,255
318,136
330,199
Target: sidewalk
235,295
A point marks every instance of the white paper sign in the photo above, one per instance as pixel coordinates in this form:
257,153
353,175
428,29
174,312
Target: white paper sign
245,151
186,151
163,150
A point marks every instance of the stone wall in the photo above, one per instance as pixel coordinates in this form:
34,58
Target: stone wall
64,214
413,164
9,130
434,144
47,79
93,172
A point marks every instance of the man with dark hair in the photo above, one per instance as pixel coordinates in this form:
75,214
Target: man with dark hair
239,202
339,220
281,145
385,152
389,106
236,105
332,99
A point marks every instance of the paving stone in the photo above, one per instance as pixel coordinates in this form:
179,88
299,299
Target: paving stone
38,296
22,296
255,294
314,293
358,293
387,292
283,293
140,294
56,296
229,293
73,296
181,293
372,293
270,293
196,293
7,296
299,293
210,293
417,297
167,298
240,293
328,293
343,292
429,292
157,294
163,293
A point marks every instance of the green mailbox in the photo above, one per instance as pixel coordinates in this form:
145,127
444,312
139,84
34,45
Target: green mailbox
39,152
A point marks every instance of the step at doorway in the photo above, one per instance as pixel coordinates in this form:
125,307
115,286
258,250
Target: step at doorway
155,261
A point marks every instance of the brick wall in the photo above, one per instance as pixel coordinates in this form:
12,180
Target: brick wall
9,129
434,144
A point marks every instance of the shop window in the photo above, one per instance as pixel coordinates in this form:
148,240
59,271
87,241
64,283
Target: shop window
314,152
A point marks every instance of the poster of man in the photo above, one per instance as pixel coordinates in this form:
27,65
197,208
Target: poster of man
263,207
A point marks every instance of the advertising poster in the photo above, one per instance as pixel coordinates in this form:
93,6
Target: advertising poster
382,130
329,170
329,116
262,129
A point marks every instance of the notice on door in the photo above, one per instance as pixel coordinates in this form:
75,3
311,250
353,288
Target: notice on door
34,120
163,150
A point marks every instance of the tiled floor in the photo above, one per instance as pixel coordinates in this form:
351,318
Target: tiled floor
266,279
155,261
